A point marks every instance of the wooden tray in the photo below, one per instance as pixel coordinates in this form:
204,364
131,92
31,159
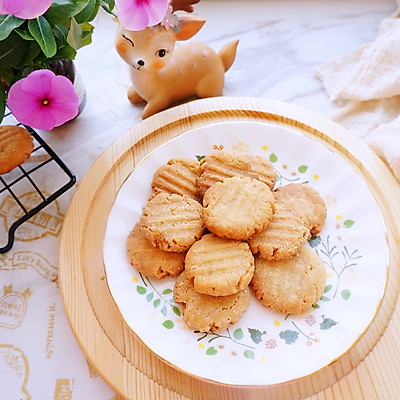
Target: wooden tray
370,370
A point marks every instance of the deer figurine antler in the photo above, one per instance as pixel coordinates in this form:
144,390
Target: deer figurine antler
162,75
184,5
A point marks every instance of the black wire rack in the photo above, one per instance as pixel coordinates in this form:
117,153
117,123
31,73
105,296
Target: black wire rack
25,176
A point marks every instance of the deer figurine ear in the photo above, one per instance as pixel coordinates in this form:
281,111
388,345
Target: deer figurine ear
188,26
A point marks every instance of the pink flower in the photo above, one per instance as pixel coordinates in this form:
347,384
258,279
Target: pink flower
43,100
136,15
24,9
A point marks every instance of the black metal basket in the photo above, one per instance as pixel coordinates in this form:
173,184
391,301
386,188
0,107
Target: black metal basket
25,174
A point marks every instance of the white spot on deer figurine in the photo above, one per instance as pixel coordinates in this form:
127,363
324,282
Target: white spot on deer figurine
162,75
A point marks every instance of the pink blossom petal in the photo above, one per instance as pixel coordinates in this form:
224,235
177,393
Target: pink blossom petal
42,118
63,100
156,10
39,83
11,6
24,9
132,15
19,102
138,14
41,102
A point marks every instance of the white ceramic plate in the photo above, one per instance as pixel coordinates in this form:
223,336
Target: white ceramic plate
264,347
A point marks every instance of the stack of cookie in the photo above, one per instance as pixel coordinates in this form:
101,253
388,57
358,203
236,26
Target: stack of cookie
219,225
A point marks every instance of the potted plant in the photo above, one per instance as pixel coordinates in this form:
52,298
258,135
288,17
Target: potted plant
38,41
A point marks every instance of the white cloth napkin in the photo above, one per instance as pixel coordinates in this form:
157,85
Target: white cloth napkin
365,89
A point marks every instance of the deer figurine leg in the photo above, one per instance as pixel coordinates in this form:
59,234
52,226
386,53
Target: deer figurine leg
133,96
155,105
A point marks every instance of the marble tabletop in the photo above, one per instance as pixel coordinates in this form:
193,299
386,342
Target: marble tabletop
280,44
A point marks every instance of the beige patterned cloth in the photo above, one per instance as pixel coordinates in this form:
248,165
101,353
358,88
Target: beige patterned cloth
365,89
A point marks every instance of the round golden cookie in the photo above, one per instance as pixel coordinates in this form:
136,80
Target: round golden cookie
150,260
283,237
306,201
209,313
238,207
219,165
291,286
16,145
219,266
263,168
178,176
172,222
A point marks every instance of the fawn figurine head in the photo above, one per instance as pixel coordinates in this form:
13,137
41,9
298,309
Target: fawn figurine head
153,47
162,75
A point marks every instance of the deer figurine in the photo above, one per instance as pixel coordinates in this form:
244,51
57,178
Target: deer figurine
162,75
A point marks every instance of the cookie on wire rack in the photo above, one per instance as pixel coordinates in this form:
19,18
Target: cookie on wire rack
16,146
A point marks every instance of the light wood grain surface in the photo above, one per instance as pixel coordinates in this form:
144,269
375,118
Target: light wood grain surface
370,370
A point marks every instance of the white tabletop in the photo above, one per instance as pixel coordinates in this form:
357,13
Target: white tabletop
281,42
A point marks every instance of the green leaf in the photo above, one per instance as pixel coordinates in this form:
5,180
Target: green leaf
238,334
249,354
108,5
7,24
65,53
24,33
167,291
62,10
87,33
74,37
327,323
315,306
29,57
89,12
314,241
345,294
199,158
255,335
324,298
41,30
60,32
348,223
289,336
156,303
164,311
327,288
168,324
273,158
176,310
141,289
211,351
149,297
302,169
12,50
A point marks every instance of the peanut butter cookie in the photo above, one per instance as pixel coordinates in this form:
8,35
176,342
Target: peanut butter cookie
219,267
219,165
238,207
150,260
16,145
291,286
283,237
209,313
306,201
179,176
172,222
